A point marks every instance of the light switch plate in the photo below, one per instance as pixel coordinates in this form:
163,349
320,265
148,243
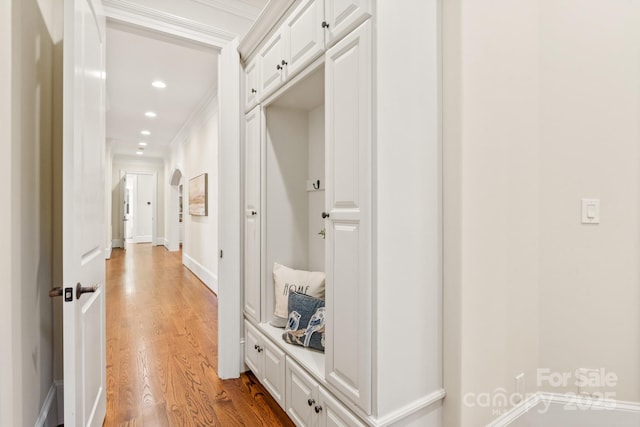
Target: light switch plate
591,211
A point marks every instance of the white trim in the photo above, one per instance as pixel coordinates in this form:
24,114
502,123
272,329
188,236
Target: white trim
107,252
159,241
516,412
237,8
207,277
146,17
165,243
143,239
408,409
273,12
60,400
45,417
564,399
117,243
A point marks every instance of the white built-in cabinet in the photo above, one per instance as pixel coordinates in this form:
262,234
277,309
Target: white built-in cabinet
252,167
348,204
311,27
266,361
251,85
309,404
309,198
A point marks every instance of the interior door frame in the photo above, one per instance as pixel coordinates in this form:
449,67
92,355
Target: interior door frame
154,203
230,335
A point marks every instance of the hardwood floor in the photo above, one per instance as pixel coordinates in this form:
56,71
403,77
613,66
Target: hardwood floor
162,350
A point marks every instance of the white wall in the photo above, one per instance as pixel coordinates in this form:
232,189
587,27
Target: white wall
27,118
590,148
541,109
200,155
123,164
194,152
316,198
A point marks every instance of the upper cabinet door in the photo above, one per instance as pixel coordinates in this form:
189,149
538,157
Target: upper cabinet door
251,84
252,216
273,62
305,35
348,225
342,16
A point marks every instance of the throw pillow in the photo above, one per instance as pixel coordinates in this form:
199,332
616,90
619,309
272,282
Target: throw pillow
288,280
306,323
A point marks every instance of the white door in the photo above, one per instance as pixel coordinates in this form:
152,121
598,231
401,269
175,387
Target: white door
348,220
144,211
83,214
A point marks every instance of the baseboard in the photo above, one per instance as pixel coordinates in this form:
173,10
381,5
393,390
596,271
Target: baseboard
48,416
60,401
409,409
107,252
117,243
160,241
143,239
564,399
165,243
207,277
516,412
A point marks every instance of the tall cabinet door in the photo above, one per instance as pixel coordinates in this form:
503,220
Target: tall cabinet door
252,215
348,201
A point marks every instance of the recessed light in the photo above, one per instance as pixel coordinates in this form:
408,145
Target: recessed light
142,144
145,133
139,152
150,114
159,84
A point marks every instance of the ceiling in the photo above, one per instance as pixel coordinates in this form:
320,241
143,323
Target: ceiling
136,57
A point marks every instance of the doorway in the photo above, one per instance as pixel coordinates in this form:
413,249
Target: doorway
139,210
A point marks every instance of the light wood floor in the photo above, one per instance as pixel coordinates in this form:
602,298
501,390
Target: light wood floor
162,350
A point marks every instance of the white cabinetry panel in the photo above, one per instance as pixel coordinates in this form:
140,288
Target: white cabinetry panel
252,356
251,84
348,199
305,35
301,395
334,414
274,371
252,216
343,16
271,57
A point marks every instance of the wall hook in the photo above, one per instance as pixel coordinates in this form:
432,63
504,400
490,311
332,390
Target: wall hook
316,185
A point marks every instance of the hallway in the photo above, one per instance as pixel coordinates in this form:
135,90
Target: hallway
162,349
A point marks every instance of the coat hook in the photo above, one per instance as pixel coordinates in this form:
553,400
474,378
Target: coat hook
316,185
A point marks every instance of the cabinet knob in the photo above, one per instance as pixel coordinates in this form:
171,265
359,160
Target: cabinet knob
325,24
318,409
253,90
311,402
254,213
256,346
284,62
325,215
278,67
260,349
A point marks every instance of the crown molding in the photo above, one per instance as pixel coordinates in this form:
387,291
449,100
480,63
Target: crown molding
207,106
238,8
146,17
266,21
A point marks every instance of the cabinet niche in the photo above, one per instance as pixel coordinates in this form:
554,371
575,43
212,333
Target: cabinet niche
293,181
